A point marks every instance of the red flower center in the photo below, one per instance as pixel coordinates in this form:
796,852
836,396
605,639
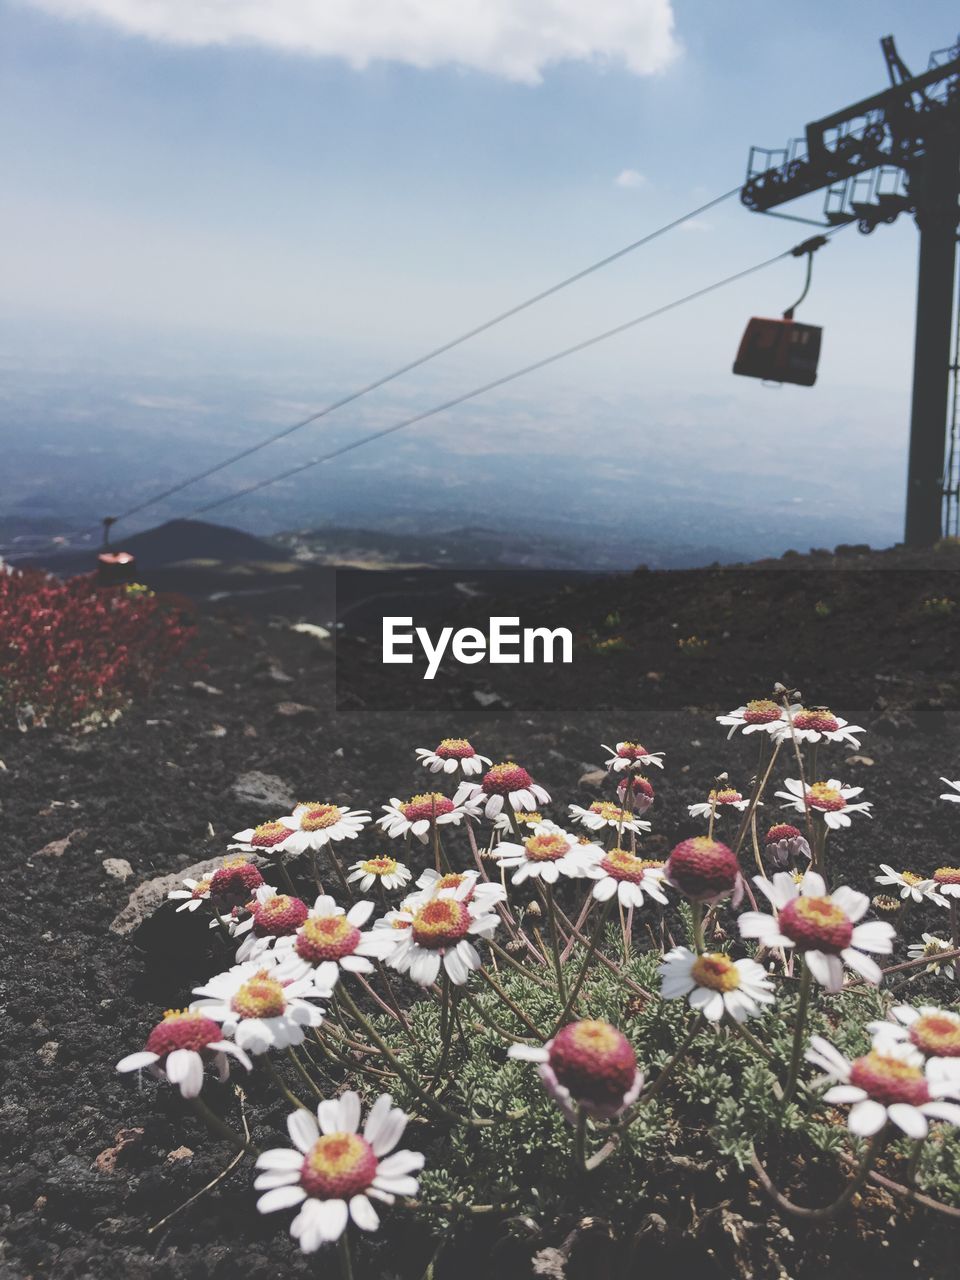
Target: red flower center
429,805
504,778
338,1166
454,749
781,831
816,924
888,1079
703,868
819,718
440,923
631,751
947,875
453,880
761,711
610,812
268,834
235,878
183,1029
278,916
327,938
595,1061
726,795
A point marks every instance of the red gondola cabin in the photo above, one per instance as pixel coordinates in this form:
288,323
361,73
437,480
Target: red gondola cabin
779,351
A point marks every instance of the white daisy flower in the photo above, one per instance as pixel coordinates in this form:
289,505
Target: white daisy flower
416,816
383,870
824,928
524,818
258,1009
935,1032
313,825
546,855
269,837
453,754
631,755
630,877
329,940
910,885
439,932
819,724
272,915
501,785
335,1171
638,790
603,813
195,895
482,894
176,1047
719,798
953,795
888,1085
714,984
831,800
930,949
761,715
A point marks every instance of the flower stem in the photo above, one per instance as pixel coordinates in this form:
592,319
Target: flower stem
511,1004
580,1142
343,1256
797,1051
213,1121
275,1076
555,941
587,960
696,929
831,1210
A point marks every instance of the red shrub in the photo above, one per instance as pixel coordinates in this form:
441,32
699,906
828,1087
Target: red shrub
71,649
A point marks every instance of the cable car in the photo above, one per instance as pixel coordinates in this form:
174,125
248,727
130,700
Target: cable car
779,351
783,350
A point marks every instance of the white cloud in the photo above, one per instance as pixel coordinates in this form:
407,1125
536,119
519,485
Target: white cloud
516,39
629,178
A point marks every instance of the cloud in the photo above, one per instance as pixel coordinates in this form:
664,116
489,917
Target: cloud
515,39
629,178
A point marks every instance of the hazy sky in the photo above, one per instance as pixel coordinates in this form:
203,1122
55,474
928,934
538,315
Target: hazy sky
314,192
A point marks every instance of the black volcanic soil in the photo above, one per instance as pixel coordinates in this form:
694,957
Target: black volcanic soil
156,790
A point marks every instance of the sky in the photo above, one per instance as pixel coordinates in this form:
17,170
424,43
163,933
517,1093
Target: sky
222,214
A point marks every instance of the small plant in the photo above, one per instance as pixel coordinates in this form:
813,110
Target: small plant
74,653
692,646
553,1032
937,606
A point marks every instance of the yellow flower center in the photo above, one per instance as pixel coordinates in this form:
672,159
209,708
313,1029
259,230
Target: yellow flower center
595,1036
546,848
440,921
822,796
716,971
379,866
609,811
260,997
317,817
937,1034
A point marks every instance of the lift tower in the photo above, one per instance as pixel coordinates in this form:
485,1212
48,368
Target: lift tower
895,152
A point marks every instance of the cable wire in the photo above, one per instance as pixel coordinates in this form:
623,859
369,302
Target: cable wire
490,386
422,360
